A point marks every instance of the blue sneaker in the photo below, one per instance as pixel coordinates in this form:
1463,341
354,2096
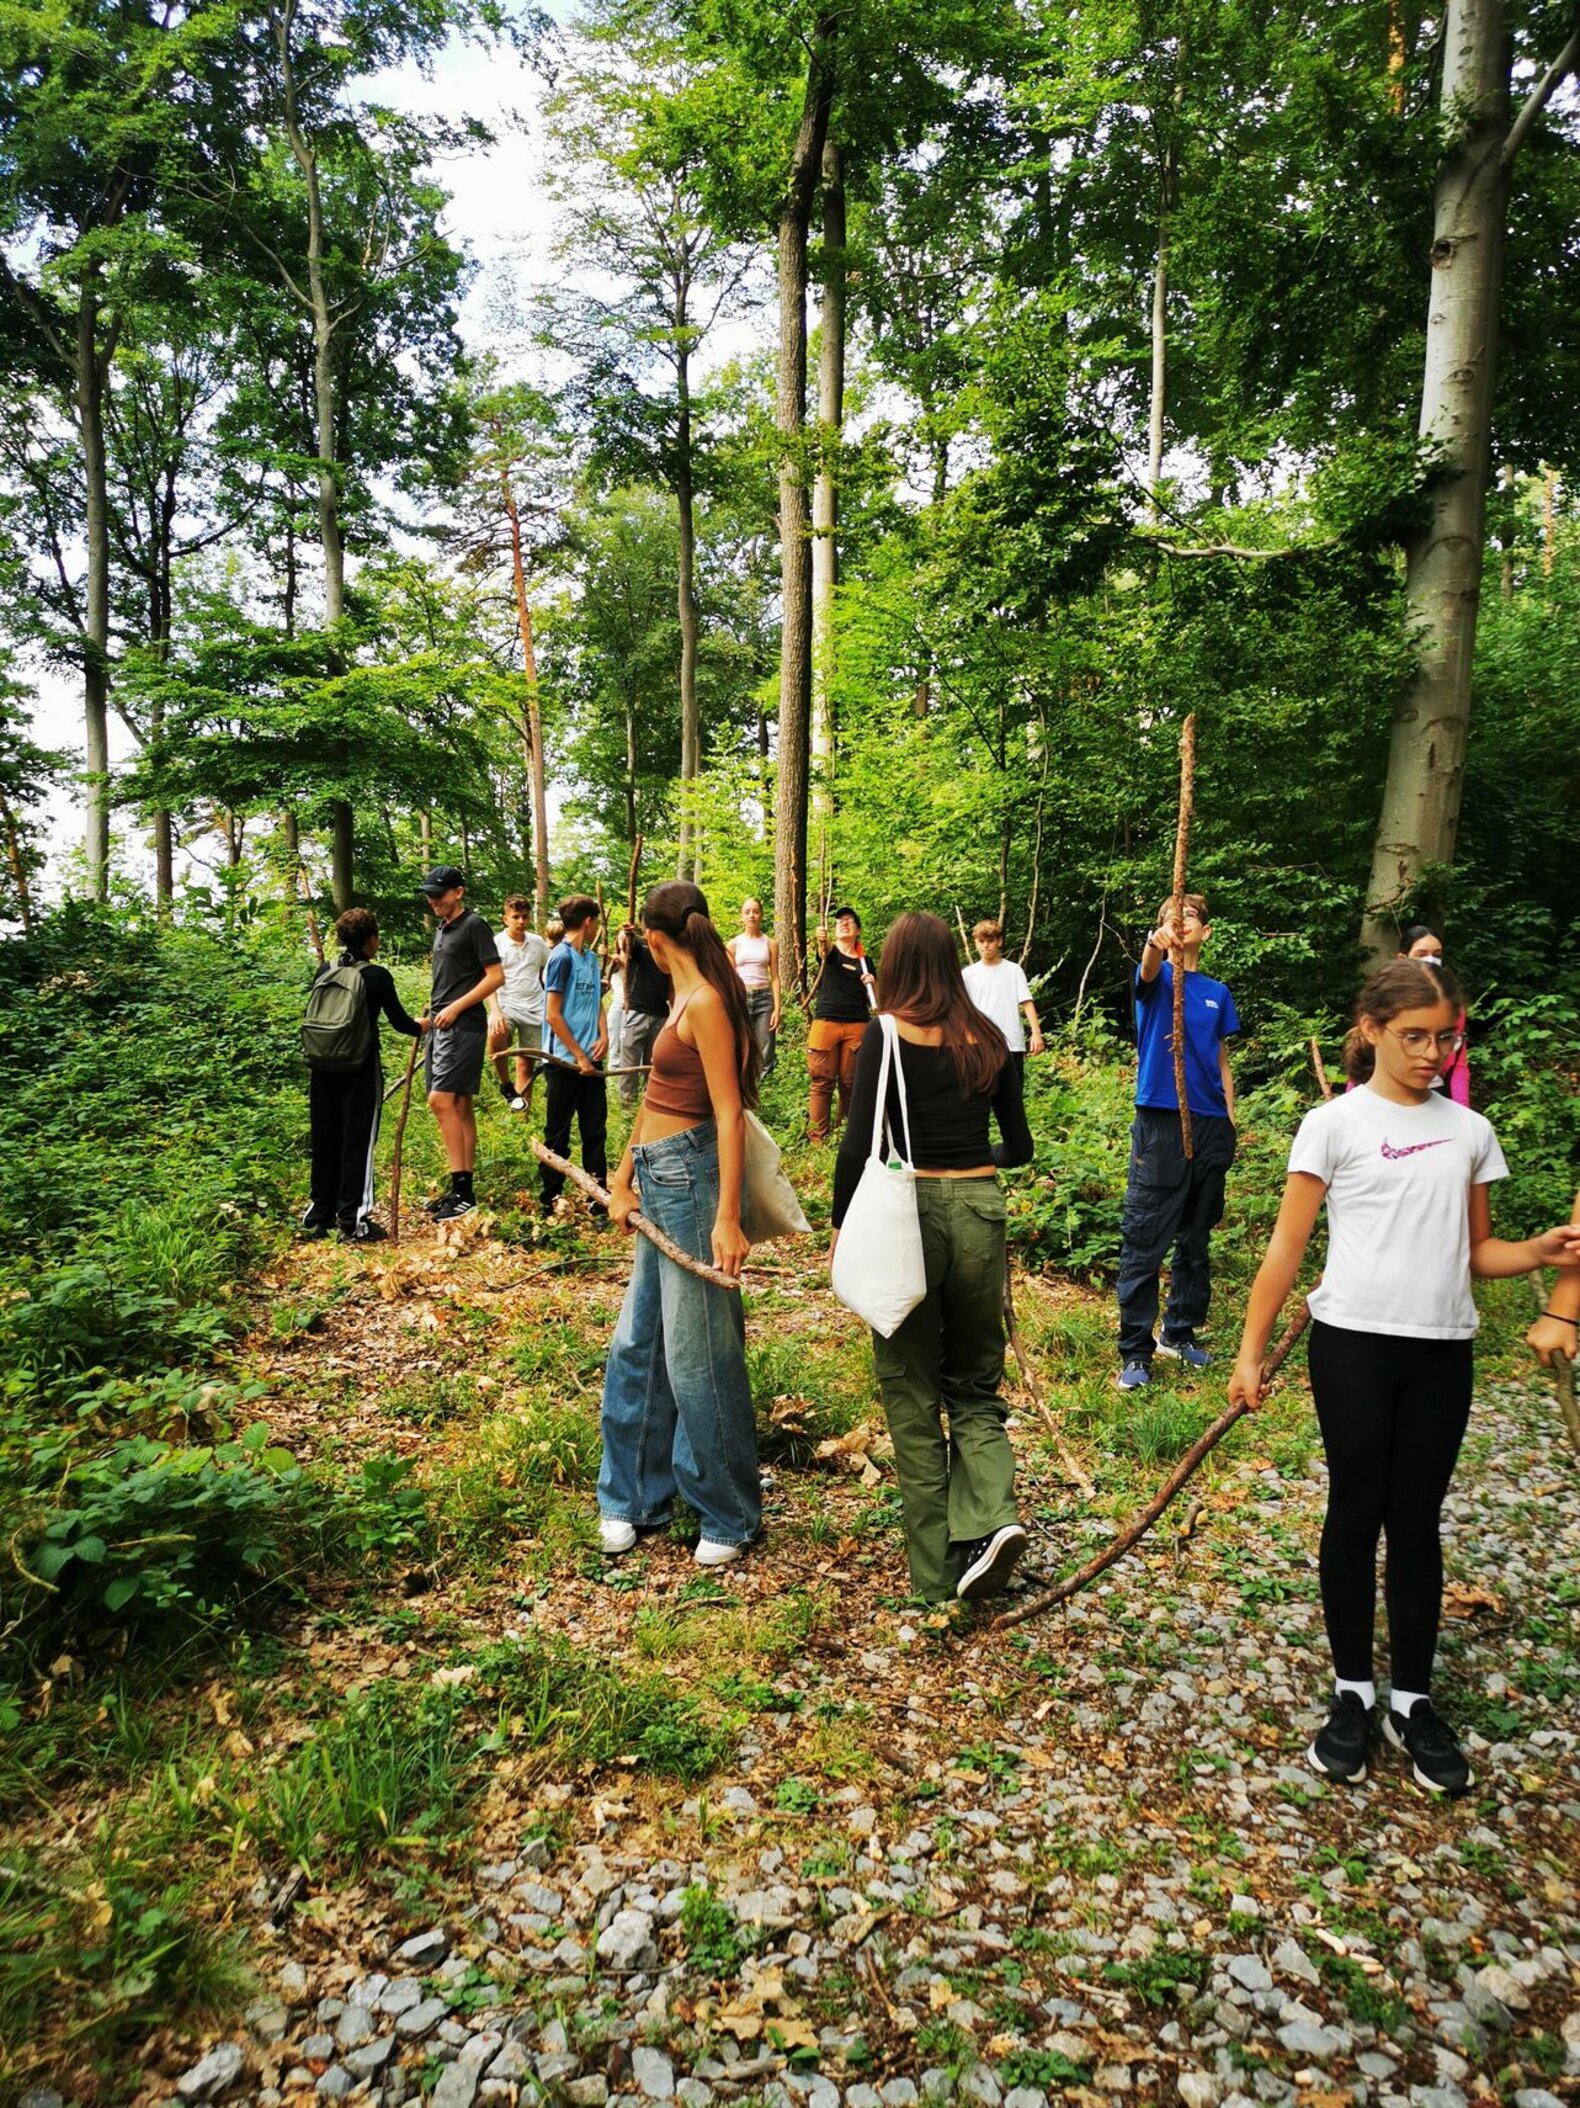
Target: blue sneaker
1186,1351
1135,1376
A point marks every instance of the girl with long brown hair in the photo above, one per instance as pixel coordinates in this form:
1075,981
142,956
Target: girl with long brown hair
677,1405
957,1489
1404,1173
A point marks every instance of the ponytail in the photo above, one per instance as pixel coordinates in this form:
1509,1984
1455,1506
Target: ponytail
1404,984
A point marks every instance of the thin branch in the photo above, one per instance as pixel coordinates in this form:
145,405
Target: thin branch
1539,98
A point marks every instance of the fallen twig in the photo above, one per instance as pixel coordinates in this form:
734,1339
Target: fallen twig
1183,1471
639,1222
1072,1469
1177,917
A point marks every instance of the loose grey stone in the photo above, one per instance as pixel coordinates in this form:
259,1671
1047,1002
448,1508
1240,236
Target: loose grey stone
1301,2039
937,2084
400,1996
1291,1959
563,2064
222,2067
536,1897
1505,1987
696,2093
653,2073
354,2027
318,2049
41,2097
1536,2097
626,1942
1250,1973
421,2020
335,2084
1025,2097
593,2091
1199,2089
458,2082
511,2063
898,2093
268,2020
425,1950
862,2097
1481,2005
371,2057
292,1980
981,2085
738,1802
1437,2097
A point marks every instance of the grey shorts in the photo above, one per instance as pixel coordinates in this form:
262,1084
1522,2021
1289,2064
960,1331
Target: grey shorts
526,1033
453,1060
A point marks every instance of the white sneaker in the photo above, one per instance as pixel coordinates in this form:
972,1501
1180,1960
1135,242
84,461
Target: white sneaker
710,1554
615,1534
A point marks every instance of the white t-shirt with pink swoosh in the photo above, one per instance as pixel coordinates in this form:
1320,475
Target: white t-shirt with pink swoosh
1398,1205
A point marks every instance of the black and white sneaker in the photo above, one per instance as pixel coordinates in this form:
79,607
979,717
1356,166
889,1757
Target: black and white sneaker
434,1203
367,1231
452,1207
1343,1744
313,1224
989,1562
1428,1741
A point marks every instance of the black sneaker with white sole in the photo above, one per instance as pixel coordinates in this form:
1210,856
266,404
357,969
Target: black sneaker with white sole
452,1207
1343,1745
989,1562
1428,1741
433,1203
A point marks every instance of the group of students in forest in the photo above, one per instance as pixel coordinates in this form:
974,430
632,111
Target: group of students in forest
1399,1160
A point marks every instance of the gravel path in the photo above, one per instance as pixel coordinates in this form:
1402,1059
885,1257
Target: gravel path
1088,1864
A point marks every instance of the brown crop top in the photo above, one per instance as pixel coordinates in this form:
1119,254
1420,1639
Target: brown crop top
677,1086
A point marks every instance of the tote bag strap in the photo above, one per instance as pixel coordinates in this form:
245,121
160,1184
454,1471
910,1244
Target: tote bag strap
891,1053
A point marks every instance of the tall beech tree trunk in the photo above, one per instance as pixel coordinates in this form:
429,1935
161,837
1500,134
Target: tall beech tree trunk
825,489
91,364
686,585
1419,819
1168,197
536,771
795,549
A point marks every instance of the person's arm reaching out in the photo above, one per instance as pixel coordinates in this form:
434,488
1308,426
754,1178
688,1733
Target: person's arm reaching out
1297,1218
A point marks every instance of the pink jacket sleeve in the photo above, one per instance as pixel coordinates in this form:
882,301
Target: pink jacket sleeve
1459,1074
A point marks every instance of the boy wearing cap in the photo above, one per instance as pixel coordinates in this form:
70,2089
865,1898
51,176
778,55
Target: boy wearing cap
466,972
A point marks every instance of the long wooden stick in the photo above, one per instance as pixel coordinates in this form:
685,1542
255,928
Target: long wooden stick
1320,1067
1177,917
639,1222
1072,1469
400,1138
1183,1471
548,1061
630,879
1561,1370
965,941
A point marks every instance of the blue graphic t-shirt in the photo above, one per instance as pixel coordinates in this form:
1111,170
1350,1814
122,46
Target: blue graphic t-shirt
1210,1016
577,979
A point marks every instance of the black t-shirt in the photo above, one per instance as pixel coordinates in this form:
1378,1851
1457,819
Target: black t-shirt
463,950
646,989
841,991
949,1132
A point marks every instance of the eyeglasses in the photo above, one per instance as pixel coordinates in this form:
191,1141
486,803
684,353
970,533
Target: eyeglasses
1419,1042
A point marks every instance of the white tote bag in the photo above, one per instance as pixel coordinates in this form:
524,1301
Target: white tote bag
772,1209
879,1271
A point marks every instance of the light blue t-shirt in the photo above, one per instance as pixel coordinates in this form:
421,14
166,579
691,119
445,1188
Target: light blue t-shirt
577,979
1210,1017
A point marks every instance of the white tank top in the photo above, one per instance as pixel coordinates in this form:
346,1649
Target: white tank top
751,961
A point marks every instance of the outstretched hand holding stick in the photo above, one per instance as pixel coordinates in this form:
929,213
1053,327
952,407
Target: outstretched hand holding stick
1177,918
1185,1469
640,1223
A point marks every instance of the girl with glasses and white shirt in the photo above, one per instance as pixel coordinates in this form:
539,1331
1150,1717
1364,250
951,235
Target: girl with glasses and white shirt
1404,1173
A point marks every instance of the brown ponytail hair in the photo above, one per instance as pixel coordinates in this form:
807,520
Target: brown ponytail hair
919,980
1404,984
679,911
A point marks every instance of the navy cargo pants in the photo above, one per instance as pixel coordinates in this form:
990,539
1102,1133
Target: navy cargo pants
1171,1201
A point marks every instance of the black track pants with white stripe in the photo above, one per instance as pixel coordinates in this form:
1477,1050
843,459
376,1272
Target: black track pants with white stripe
344,1108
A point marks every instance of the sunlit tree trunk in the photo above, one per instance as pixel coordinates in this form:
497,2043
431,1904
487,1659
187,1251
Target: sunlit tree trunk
825,489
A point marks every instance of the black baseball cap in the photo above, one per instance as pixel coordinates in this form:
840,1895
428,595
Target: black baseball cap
443,878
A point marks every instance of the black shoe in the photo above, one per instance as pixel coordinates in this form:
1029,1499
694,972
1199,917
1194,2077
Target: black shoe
1343,1745
367,1231
1428,1741
453,1206
989,1562
315,1225
434,1203
508,1092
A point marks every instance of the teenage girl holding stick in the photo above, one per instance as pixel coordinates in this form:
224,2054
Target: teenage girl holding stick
1404,1174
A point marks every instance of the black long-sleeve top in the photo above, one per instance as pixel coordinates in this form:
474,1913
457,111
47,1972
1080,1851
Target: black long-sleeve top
378,991
949,1132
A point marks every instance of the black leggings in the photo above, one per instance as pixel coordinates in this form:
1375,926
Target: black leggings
1393,1413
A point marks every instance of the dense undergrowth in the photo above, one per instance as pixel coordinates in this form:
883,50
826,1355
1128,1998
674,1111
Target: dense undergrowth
152,1155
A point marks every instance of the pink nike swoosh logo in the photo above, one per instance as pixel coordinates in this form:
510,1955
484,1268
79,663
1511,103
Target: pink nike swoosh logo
1412,1149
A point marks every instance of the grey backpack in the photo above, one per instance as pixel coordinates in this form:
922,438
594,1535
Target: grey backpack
337,1032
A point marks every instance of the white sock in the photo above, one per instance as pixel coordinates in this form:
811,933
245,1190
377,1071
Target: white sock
1365,1692
1404,1703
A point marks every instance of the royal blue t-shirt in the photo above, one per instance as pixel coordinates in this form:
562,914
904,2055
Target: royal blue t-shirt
1210,1016
577,979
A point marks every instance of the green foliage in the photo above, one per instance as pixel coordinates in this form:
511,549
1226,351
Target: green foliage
1160,1978
708,1927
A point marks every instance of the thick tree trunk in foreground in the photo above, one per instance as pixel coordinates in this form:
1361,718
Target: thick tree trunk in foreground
90,377
1419,819
536,772
795,549
686,591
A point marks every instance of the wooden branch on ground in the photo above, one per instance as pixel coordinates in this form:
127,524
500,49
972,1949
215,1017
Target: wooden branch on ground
640,1223
1320,1067
400,1138
1072,1469
1561,1369
1183,1471
1177,916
